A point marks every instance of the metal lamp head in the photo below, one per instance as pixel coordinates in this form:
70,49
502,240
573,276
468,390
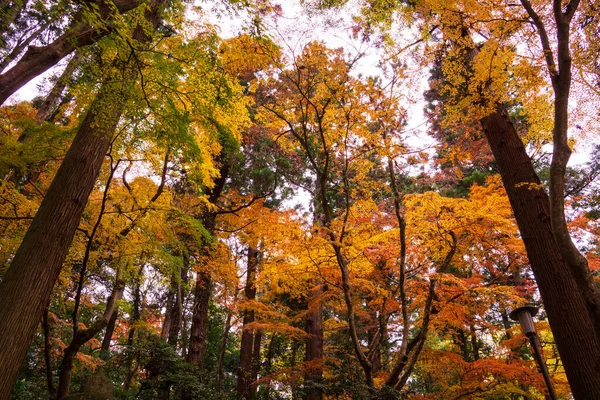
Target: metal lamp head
525,317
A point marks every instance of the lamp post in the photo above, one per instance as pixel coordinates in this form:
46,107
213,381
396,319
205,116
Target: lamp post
524,315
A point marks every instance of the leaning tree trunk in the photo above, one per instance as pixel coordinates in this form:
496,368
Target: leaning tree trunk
563,302
27,285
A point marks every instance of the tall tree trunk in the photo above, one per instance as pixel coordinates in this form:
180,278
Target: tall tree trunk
246,373
572,328
197,348
110,329
27,285
168,321
255,365
314,342
177,311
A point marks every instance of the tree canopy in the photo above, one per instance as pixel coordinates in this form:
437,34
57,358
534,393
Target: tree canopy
187,214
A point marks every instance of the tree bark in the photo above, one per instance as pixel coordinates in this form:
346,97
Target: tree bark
573,329
222,350
197,348
246,371
27,285
135,317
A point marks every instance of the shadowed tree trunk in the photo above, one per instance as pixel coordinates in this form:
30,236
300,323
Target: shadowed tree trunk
47,358
246,373
197,348
563,302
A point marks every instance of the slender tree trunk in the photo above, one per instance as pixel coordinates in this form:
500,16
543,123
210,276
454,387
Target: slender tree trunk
168,321
177,311
255,365
572,328
314,342
110,329
18,49
269,362
47,358
222,350
246,374
135,317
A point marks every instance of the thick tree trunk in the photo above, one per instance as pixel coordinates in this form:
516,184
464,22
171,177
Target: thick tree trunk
246,373
314,342
197,348
572,328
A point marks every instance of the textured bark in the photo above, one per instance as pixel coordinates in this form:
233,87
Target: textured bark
559,71
36,59
314,342
197,348
246,373
573,329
